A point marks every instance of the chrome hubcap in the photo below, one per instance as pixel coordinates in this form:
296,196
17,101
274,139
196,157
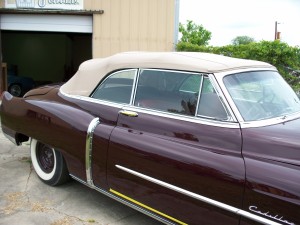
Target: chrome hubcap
45,157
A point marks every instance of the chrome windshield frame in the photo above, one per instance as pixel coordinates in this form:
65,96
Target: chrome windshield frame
249,124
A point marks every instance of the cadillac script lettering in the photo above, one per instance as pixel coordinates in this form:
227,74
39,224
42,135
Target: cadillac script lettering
267,214
42,3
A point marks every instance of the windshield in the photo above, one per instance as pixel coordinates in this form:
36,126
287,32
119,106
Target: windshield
261,95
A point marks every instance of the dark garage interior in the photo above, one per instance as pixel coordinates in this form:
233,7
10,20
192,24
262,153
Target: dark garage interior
45,57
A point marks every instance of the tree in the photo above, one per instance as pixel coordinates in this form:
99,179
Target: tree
242,40
194,34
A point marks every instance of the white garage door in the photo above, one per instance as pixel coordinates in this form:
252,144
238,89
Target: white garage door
54,23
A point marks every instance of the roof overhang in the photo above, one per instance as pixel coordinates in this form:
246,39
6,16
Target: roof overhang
50,11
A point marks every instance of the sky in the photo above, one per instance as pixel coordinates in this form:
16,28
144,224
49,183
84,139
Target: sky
227,19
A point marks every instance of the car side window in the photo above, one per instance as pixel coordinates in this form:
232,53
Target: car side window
210,105
168,91
116,87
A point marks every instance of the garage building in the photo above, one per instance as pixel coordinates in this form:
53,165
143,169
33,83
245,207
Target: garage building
46,40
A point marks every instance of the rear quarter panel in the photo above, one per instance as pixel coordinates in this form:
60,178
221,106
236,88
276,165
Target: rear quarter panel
52,120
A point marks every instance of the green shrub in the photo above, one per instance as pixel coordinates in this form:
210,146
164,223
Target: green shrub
279,54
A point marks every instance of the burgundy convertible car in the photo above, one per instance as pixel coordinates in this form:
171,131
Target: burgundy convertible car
186,138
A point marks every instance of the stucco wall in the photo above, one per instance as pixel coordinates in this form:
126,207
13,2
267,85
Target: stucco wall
132,25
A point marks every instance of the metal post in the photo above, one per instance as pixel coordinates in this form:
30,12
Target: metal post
176,23
1,75
275,31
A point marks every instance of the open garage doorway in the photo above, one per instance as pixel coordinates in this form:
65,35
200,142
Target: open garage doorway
42,57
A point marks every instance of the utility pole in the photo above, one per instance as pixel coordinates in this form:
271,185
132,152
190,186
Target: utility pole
277,34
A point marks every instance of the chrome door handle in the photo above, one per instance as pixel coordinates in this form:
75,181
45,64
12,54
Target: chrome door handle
128,113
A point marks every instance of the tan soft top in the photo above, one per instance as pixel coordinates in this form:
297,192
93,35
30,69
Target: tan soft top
91,72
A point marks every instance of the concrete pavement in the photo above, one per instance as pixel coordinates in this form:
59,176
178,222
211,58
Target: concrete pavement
25,200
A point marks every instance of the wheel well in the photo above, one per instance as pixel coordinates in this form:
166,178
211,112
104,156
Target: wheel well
21,138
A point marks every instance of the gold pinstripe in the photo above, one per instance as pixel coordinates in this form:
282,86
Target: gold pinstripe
147,207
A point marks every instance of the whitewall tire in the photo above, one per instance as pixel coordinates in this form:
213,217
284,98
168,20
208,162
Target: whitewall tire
48,163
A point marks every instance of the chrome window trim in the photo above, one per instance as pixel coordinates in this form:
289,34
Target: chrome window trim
114,73
269,122
163,70
250,124
196,117
89,149
133,90
201,198
135,86
199,94
219,78
222,98
171,70
174,71
93,100
192,119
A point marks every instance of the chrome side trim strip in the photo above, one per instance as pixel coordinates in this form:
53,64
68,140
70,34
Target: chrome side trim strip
201,198
88,150
131,205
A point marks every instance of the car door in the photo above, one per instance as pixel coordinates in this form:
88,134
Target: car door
105,102
176,151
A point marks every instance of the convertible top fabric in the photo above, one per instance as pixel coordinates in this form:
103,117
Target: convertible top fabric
91,72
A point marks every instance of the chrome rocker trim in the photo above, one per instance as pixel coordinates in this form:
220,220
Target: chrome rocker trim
131,205
201,198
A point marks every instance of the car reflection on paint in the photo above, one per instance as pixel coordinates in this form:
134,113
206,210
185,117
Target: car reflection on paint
186,138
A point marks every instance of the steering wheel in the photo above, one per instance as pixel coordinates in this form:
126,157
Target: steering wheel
265,97
254,112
